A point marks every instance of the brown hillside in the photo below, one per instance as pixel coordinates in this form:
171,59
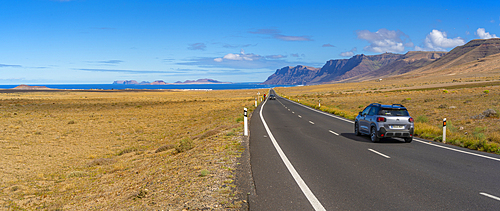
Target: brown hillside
408,62
479,68
473,50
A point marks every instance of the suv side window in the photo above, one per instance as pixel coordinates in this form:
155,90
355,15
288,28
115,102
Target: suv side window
373,111
365,112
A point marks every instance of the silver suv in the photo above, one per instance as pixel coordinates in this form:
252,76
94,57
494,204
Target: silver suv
381,121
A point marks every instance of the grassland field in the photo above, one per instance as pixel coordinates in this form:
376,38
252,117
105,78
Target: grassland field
177,150
141,150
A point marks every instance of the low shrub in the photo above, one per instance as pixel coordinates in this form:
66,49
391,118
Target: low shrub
203,173
128,150
77,174
184,145
422,119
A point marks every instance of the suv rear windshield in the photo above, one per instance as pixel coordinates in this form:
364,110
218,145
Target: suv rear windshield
393,112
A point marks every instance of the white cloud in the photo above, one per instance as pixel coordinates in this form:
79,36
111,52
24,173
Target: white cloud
349,53
437,41
481,33
385,40
239,57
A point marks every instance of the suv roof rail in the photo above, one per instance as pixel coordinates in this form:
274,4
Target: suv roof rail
397,105
375,104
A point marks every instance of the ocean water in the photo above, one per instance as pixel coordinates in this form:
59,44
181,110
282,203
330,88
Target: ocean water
172,86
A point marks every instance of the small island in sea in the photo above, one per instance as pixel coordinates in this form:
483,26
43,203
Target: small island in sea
28,87
160,82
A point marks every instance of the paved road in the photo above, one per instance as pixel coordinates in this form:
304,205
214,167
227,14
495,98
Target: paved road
317,163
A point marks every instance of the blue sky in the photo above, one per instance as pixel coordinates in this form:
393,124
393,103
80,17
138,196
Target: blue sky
99,41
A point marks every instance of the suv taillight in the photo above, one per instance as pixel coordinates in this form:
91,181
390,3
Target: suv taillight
381,119
410,120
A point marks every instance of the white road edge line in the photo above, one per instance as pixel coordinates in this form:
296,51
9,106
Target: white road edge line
333,132
311,122
378,153
457,150
302,185
491,196
424,142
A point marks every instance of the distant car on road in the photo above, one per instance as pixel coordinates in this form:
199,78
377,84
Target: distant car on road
385,121
272,97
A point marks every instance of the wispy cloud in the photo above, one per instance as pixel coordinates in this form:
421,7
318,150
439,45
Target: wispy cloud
385,40
105,28
197,46
114,61
328,45
437,41
237,46
274,33
481,33
125,71
275,57
10,65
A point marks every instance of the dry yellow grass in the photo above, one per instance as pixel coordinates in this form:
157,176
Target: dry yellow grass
116,150
426,102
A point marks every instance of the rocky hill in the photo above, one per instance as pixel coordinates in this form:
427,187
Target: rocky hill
293,75
160,82
362,67
473,50
359,67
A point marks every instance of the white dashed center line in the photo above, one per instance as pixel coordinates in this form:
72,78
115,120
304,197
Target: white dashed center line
300,116
311,122
491,196
333,132
378,153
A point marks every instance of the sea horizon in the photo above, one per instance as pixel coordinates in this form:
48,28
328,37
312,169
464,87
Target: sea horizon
222,86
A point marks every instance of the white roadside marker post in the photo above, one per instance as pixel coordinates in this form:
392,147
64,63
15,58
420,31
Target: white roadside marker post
319,104
245,120
255,102
444,130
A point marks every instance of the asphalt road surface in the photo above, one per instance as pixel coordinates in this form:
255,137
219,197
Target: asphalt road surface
304,159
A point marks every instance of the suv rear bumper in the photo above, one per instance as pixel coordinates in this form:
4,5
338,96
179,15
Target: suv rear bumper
383,133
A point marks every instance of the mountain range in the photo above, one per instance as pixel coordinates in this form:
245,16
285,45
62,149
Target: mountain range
362,67
160,82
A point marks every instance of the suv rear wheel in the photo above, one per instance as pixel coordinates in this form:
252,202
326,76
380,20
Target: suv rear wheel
373,135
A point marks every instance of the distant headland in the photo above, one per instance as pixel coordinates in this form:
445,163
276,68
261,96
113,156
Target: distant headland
160,82
28,87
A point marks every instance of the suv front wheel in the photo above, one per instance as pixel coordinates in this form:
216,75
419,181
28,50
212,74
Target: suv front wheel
373,135
356,129
408,140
